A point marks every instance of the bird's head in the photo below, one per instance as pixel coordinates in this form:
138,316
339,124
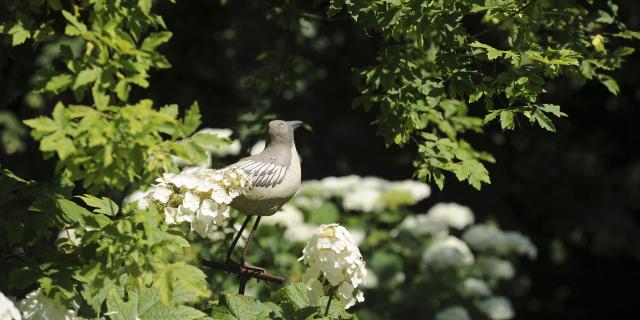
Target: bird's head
282,131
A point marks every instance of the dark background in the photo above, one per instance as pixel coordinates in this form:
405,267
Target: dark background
576,193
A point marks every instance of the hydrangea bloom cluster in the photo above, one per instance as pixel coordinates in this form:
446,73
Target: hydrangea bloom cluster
496,308
452,214
487,238
334,260
448,252
199,196
453,313
365,194
8,310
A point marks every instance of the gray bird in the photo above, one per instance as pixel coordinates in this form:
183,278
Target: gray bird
275,178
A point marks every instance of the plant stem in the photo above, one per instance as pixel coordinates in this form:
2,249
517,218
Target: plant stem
332,291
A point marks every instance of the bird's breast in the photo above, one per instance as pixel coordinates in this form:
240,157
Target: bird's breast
268,200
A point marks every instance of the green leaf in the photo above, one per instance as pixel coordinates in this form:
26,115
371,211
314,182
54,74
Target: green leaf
240,307
209,139
293,296
72,211
553,109
144,304
42,124
81,27
493,53
542,120
155,39
58,83
145,5
610,83
86,76
506,120
122,90
102,205
192,119
18,34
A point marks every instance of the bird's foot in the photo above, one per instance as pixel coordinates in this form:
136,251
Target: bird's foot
254,268
246,266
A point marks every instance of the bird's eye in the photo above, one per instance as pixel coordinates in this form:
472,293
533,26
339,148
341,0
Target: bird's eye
280,124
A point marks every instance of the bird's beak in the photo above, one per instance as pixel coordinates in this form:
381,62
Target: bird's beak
295,124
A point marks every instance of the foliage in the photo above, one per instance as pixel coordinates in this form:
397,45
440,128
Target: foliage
432,69
433,82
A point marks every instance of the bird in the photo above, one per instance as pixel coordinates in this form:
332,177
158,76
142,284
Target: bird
275,176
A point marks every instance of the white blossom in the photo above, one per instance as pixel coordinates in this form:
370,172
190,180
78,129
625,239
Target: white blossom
161,194
358,235
366,200
199,196
332,256
257,147
300,233
521,244
418,190
496,308
371,280
35,306
8,310
487,238
422,225
139,197
448,252
288,216
475,288
453,313
452,214
495,268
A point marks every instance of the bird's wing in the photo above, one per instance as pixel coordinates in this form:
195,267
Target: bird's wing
262,173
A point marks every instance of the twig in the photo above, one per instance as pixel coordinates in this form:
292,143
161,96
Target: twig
244,272
493,27
332,291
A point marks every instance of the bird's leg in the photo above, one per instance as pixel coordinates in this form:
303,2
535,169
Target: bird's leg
246,248
236,238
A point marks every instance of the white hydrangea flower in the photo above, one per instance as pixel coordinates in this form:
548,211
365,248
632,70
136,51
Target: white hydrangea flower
423,225
202,196
371,281
365,200
496,308
35,306
474,287
361,193
334,258
484,238
335,186
358,235
495,268
521,244
487,238
300,233
448,252
288,216
453,313
452,214
257,147
418,190
140,198
8,310
161,194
